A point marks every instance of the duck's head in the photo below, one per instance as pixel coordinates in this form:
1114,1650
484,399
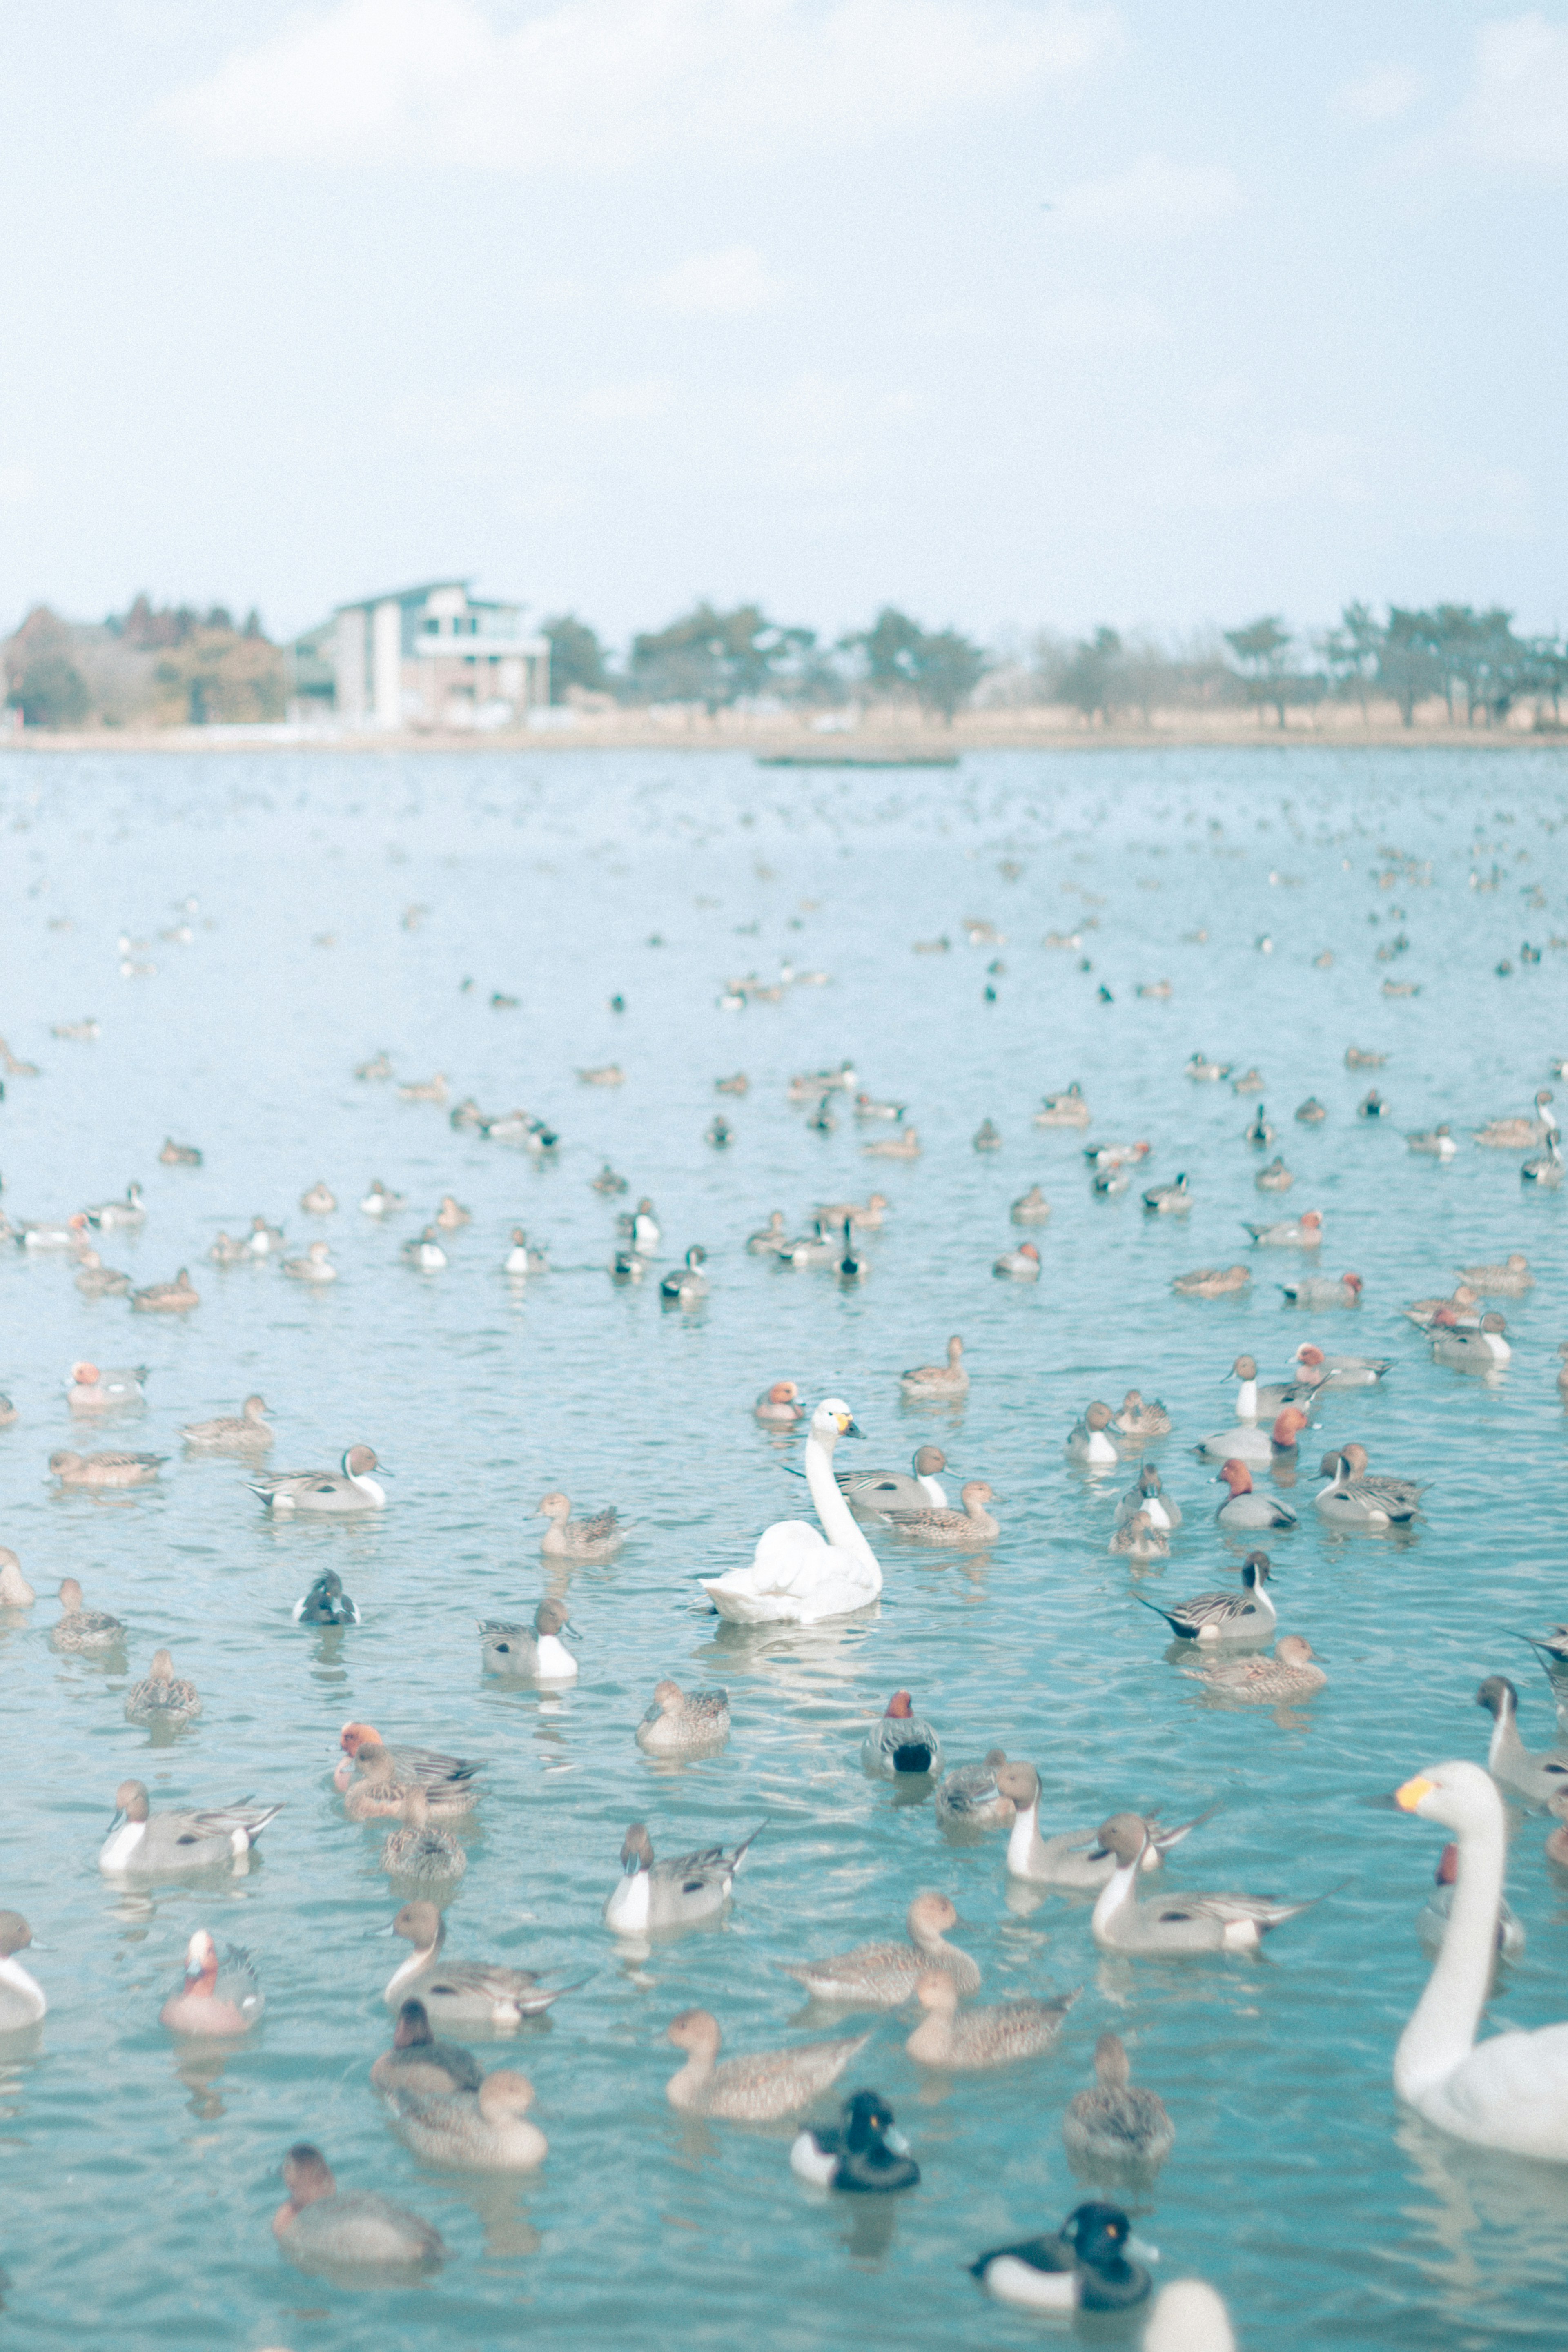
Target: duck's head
931,1915
1124,1836
1236,1477
418,1924
553,1507
1020,1782
637,1849
696,2030
549,1618
1254,1569
307,2175
1098,2235
1499,1697
129,1802
1288,1424
1097,1418
412,2031
1148,1477
201,1958
1293,1650
14,1934
1244,1369
360,1461
866,2116
929,1462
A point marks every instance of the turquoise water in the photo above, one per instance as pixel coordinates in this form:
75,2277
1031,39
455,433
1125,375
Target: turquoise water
139,2191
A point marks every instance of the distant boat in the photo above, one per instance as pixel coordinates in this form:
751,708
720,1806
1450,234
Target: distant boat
857,759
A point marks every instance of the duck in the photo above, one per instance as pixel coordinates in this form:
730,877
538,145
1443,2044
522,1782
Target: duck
1249,1082
228,1250
263,1240
1138,1537
868,1107
1244,1616
650,1893
96,1280
1511,1280
1074,1857
422,1850
1318,1371
1355,1500
796,1574
531,1653
212,2002
1545,1169
1536,1779
438,1773
417,2060
905,1144
1292,1672
640,1227
1244,1507
1068,1109
1525,1134
687,1284
378,1067
771,1238
1322,1290
884,1976
1432,1920
327,1493
862,2153
246,1431
381,1202
967,1797
604,1073
485,2130
381,1790
176,1297
1173,1925
124,1215
1303,1232
1211,1281
1147,1495
757,2089
1089,1440
431,1090
1108,1182
1260,1131
521,1260
887,1493
901,1745
179,1155
1116,1155
966,1530
424,1253
322,2227
1437,1142
738,1082
1141,1418
1275,1178
144,1844
1020,1264
473,1995
100,1471
326,1603
987,1137
83,1628
608,1182
948,1379
1030,1208
780,1404
1509,2092
981,2038
1114,2124
90,1389
1463,1308
16,1593
315,1267
1372,1105
318,1200
1083,2266
684,1723
161,1696
1244,1440
1207,1073
870,1214
1484,1350
22,2000
599,1536
51,1233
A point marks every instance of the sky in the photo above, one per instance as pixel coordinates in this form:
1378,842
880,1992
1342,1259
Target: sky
1015,314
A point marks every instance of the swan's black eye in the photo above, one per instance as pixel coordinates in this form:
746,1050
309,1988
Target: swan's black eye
504,1648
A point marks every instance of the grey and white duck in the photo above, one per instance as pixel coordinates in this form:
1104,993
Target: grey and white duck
887,1493
1536,1779
468,1996
674,1894
1244,1616
528,1652
1172,1925
1075,1857
884,1976
144,1844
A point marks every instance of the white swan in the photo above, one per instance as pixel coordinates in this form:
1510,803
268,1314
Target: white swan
1510,2091
796,1577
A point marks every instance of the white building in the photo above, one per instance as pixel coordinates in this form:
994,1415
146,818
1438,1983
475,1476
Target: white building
432,657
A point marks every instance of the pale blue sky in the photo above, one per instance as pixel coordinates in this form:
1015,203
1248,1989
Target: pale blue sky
614,303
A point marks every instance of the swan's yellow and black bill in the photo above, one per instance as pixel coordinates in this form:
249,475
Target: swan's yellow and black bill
847,1427
1410,1795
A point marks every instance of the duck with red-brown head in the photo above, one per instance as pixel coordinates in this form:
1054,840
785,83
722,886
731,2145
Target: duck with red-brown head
1244,1508
901,1744
214,2002
322,2227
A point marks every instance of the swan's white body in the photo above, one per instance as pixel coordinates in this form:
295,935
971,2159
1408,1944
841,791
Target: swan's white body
1511,2091
799,1575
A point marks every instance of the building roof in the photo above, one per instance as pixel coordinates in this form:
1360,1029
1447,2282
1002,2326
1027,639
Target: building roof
403,595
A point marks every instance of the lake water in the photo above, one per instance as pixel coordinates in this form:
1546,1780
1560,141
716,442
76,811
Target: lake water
139,2195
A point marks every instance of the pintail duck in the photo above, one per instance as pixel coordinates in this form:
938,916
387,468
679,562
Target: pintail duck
987,1137
1432,1920
1137,1538
380,1203
83,1628
1510,1280
326,1603
1260,1131
904,1145
424,1253
1020,1264
981,2038
1372,1105
1068,1109
22,2002
867,1215
324,1492
1484,1350
1303,1232
889,1493
1244,1440
757,2089
1436,1142
213,2002
101,1471
179,1155
1320,1290
640,1227
968,1797
780,1404
1275,1178
862,2153
1526,1134
1546,1169
1172,1924
599,1536
130,1213
264,1240
427,1765
1074,1857
901,1744
1031,1208
884,1976
318,1200
1147,1495
247,1431
677,1894
1207,1073
938,1379
145,1844
451,1215
315,1267
176,1297
1537,1778
1244,1616
430,1090
771,1239
1115,2124
96,1280
228,1250
1355,1499
608,1182
161,1696
471,1994
966,1529
422,1851
1311,1113
322,2227
684,1723
92,1389
1082,2267
1244,1507
1212,1282
1292,1672
1089,1438
1140,1417
528,1652
418,2060
687,1284
485,2130
521,1260
16,1593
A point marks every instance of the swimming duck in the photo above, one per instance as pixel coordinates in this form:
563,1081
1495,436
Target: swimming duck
431,1090
1173,1200
263,1240
1484,1350
315,1267
1357,1500
1115,1155
1463,1308
381,1791
99,1471
1207,1073
1320,1290
1432,1920
84,1629
424,1253
1245,1508
1510,1280
1147,1495
718,1132
966,1529
884,1976
1142,1419
451,1215
324,2227
1068,1109
862,2153
248,1431
1275,1178
1089,1440
422,1851
994,2036
1362,1057
640,1227
1290,1674
1303,1232
1172,1924
1031,1208
161,1696
1020,1264
757,2089
888,1493
22,2002
90,1389
326,1603
126,1214
901,1744
738,1084
1311,1113
211,2002
599,1536
378,1067
1082,2267
780,1404
1244,1440
795,1576
684,1723
16,1593
904,1145
1537,1778
425,1764
1107,1181
485,2130
870,1214
48,1233
968,1798
179,1155
1259,1129
986,1137
531,1653
1546,1169
380,1203
687,1284
604,1073
470,1994
1520,1134
608,1182
1317,1370
144,1844
329,1492
1436,1142
771,1239
521,1260
176,1297
418,2060
677,1894
1073,1857
317,1199
1114,2124
1249,1082
1212,1282
868,1107
1372,1105
96,1280
1138,1537
1244,1616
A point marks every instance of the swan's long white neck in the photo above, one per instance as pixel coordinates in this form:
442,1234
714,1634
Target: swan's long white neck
1442,2030
838,1523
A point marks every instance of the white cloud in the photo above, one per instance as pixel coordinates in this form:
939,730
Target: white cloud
601,84
1088,324
16,485
1152,198
1205,473
629,404
733,283
1381,96
1517,114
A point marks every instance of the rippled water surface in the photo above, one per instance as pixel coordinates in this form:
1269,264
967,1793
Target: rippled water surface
139,2191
